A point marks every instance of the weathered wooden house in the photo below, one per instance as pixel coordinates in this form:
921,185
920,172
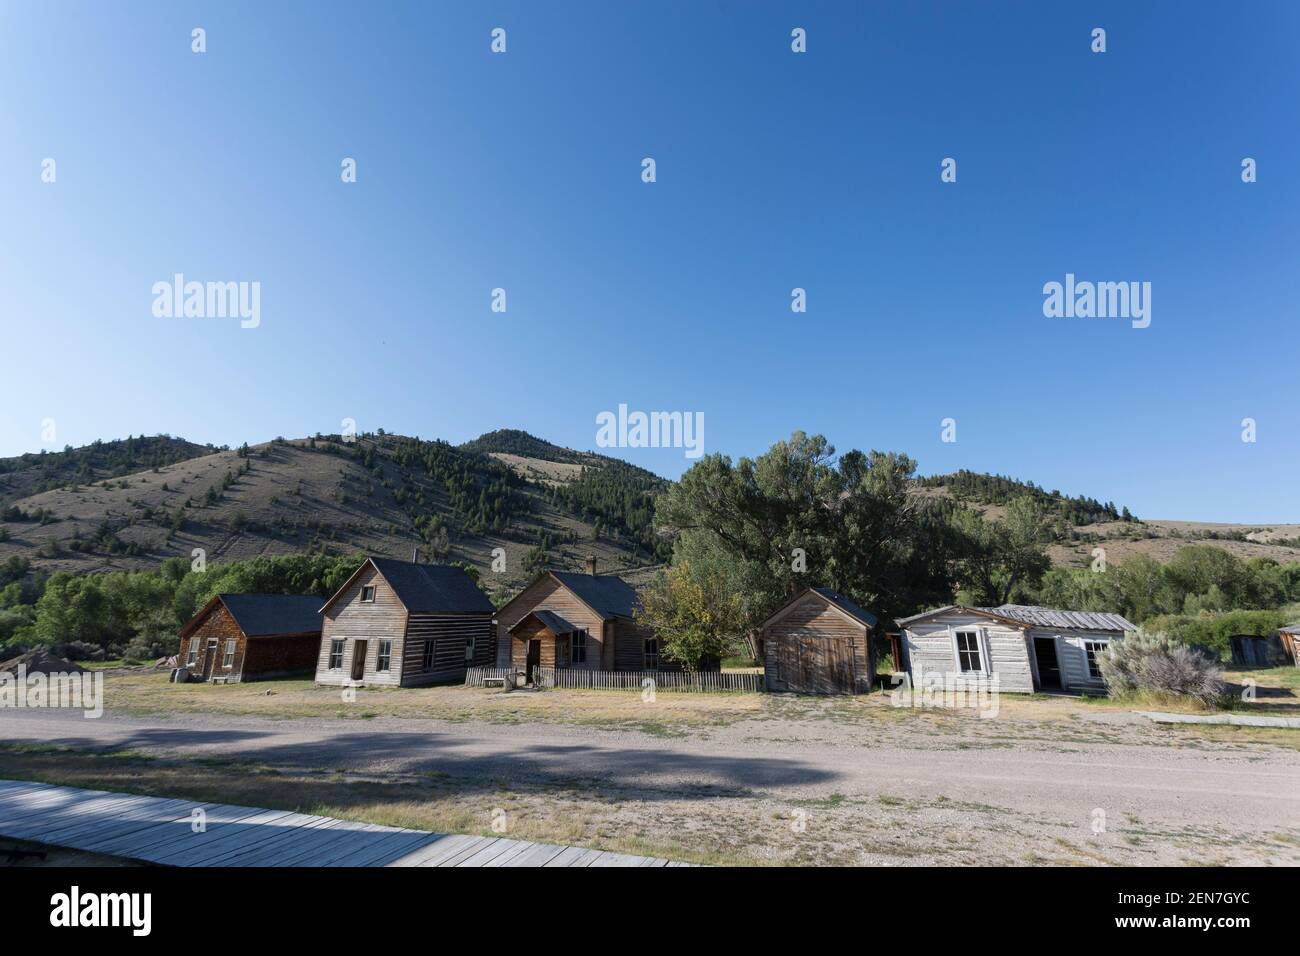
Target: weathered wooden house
1259,650
818,642
1290,638
404,624
567,619
1029,648
245,637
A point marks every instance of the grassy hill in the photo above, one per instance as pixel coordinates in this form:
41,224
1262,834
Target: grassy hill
381,494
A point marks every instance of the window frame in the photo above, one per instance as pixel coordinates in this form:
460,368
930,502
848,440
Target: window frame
384,656
578,646
428,656
471,644
647,655
338,648
980,649
368,588
193,657
228,658
1090,656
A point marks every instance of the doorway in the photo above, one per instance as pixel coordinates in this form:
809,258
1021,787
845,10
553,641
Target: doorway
209,657
534,659
359,660
1049,668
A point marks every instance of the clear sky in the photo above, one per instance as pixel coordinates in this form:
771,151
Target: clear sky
775,170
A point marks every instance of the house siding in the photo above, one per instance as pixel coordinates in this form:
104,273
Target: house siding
928,645
450,634
813,648
219,625
347,618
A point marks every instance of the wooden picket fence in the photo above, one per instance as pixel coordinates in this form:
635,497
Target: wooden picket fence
705,682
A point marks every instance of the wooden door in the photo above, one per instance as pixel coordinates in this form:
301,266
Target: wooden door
1049,668
359,649
209,658
534,659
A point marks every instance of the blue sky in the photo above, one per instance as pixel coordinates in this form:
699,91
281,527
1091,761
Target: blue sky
775,170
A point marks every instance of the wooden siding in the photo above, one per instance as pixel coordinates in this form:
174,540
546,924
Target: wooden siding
221,626
815,649
928,645
450,634
547,594
384,619
279,655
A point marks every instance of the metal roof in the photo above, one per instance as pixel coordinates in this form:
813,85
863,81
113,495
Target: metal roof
1050,617
1035,616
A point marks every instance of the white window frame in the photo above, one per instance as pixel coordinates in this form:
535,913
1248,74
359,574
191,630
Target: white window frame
384,656
470,643
981,645
342,644
193,657
373,591
228,660
1102,643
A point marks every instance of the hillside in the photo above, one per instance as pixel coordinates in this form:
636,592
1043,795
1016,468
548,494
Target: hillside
381,494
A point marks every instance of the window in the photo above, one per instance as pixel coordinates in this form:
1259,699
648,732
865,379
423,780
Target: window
336,654
368,594
230,653
652,654
469,648
579,645
1092,649
385,655
194,651
968,651
427,662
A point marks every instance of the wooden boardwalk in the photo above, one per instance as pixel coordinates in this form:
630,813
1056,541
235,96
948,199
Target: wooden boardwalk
160,831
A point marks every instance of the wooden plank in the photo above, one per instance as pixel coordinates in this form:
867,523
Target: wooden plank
438,849
490,852
539,855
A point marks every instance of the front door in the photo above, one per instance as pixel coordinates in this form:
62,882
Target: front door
534,658
1049,669
359,660
209,658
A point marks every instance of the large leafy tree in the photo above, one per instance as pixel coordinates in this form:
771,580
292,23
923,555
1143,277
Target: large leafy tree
694,613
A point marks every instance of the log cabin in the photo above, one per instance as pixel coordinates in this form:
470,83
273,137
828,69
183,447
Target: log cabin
567,619
246,637
1029,648
818,642
403,624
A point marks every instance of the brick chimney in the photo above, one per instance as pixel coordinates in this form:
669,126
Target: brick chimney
591,565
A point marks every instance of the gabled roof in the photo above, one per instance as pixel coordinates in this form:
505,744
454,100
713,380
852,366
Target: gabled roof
1291,628
552,621
834,599
426,588
1029,615
258,615
607,595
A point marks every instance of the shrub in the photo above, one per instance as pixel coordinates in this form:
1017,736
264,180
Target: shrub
1151,662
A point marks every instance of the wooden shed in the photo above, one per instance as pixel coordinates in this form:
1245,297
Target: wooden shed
567,619
819,642
245,637
404,624
1260,650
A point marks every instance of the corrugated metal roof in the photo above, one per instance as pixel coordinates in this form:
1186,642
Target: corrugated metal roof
1051,617
609,595
433,588
261,614
1036,616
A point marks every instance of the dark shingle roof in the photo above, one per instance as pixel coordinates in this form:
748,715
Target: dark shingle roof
552,621
608,595
847,606
261,614
433,588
